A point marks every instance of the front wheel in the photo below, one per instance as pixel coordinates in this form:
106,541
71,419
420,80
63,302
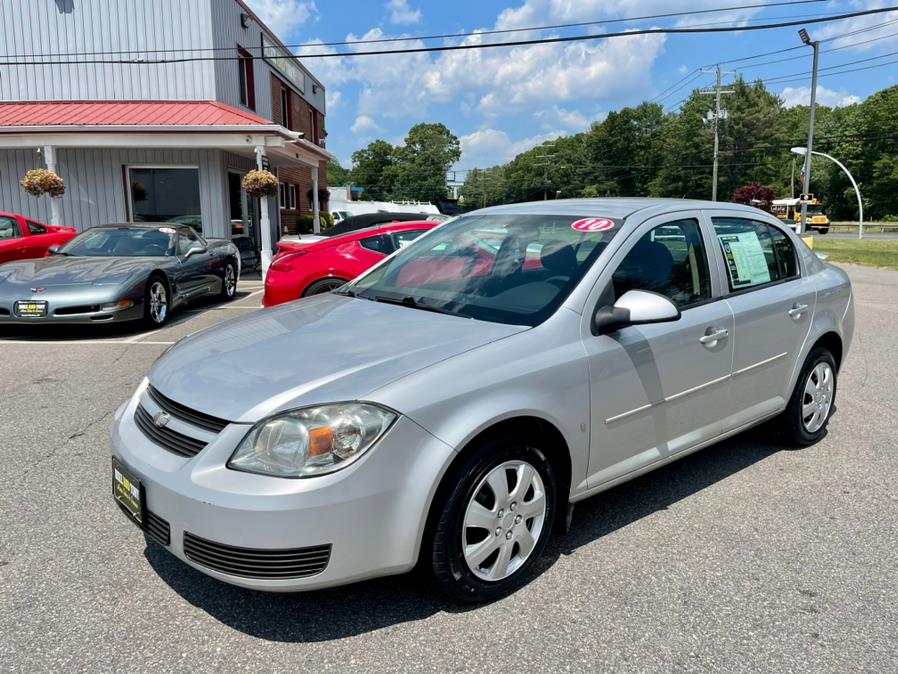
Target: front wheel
806,418
156,303
823,230
229,282
494,522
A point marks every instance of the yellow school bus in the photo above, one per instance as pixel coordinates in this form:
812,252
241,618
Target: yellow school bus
789,211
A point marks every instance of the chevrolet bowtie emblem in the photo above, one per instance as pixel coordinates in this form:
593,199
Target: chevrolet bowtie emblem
161,419
37,290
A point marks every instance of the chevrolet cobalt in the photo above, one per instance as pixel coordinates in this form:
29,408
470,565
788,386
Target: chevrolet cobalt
447,408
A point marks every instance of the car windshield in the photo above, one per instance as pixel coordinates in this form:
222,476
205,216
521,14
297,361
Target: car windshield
122,242
513,268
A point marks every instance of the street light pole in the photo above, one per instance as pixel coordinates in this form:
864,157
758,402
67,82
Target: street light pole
857,191
806,183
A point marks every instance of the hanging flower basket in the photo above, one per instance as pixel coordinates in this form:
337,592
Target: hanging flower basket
43,181
260,184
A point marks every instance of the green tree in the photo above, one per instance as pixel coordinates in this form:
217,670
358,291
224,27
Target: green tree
420,164
371,169
336,174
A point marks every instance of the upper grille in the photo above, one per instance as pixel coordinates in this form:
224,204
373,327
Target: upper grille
257,563
166,437
183,413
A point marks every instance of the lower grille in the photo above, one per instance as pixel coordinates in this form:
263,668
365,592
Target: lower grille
157,529
257,563
165,437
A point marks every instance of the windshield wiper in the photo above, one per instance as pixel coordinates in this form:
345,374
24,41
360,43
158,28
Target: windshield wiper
411,302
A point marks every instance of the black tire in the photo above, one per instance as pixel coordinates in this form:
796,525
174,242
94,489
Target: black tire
154,314
823,230
793,421
324,285
228,281
442,550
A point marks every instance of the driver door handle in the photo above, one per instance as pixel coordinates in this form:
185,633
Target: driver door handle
713,337
797,310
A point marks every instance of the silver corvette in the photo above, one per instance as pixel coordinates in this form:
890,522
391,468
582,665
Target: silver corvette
449,407
118,273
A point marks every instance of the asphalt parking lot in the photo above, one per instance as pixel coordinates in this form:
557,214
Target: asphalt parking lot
744,557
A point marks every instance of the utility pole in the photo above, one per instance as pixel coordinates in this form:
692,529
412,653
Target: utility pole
545,165
715,117
806,183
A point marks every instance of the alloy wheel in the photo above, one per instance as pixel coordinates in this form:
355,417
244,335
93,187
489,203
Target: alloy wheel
818,397
158,302
230,281
503,520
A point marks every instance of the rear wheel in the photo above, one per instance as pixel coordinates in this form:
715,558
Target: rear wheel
812,403
229,282
823,230
324,285
494,523
156,302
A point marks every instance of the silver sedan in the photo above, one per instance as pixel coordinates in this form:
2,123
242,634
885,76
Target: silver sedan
449,407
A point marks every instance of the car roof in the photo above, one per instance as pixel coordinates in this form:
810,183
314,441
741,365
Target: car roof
141,225
616,208
395,226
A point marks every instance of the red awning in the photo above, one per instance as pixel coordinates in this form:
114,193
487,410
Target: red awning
126,113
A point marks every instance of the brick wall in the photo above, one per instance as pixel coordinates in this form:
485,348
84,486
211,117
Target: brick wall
301,119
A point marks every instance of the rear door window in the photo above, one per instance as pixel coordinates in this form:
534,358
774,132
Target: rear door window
381,243
755,253
35,227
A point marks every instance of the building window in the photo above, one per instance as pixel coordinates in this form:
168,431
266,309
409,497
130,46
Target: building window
165,194
291,193
247,82
282,195
286,108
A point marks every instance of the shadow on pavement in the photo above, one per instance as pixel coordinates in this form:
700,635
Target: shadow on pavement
325,615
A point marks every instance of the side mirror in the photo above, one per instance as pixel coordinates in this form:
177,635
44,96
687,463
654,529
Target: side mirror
54,250
635,307
194,250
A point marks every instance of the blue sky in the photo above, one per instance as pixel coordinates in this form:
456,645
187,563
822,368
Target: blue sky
502,101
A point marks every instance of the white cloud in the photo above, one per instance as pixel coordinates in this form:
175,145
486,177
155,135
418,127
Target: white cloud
793,96
401,13
488,147
571,119
333,98
364,123
283,16
887,33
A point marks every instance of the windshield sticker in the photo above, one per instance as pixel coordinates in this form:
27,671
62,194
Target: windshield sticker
592,225
167,230
745,259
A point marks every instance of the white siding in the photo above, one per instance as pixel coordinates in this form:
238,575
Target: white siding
35,27
227,34
95,185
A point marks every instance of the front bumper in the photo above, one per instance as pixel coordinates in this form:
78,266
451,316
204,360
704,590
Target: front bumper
372,513
73,307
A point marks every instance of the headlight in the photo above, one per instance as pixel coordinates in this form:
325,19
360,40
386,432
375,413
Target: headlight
311,441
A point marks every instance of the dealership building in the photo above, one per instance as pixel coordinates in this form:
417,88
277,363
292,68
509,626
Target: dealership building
152,136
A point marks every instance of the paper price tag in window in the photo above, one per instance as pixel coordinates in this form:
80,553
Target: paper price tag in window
745,258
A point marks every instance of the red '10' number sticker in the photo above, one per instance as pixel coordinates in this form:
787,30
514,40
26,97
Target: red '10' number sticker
592,225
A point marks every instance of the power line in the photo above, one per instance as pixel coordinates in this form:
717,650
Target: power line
489,45
444,36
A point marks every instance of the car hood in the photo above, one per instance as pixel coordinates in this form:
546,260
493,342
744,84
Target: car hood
322,349
61,270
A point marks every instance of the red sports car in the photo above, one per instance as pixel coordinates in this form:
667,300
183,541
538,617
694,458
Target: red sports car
22,238
301,270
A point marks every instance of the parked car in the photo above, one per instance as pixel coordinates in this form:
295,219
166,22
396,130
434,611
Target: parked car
117,273
355,223
446,409
249,257
22,238
300,271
